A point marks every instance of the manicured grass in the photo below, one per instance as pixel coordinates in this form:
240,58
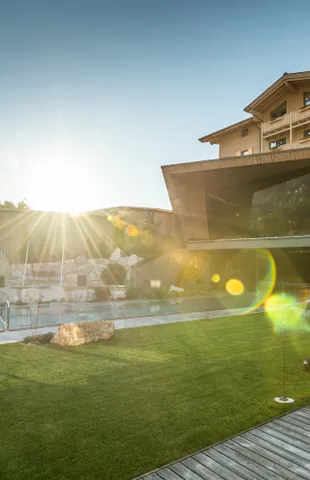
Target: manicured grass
151,395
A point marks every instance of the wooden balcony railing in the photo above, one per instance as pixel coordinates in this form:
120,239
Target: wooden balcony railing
274,126
304,143
286,122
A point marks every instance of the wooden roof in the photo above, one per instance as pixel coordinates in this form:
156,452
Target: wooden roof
213,137
276,89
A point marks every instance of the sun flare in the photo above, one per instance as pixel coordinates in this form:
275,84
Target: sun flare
61,188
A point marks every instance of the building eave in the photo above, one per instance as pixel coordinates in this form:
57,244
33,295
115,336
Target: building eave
236,161
285,80
213,137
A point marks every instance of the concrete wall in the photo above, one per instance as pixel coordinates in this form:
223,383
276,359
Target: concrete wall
233,143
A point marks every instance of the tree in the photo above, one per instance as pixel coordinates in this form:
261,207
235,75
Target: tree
22,205
8,204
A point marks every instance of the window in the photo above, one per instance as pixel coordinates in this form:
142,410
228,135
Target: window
307,133
245,152
279,111
306,99
277,143
244,132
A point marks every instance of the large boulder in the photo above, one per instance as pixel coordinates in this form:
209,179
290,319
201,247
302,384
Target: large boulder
72,334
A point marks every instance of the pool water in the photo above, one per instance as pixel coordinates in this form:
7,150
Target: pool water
57,313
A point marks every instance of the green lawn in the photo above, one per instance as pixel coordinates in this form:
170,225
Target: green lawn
151,395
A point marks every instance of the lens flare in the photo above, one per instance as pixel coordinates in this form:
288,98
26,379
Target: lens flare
256,270
119,223
215,278
109,218
234,287
132,231
285,314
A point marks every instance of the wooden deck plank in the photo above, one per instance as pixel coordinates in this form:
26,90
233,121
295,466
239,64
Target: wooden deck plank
270,467
167,474
291,434
306,408
294,428
184,472
286,446
303,413
260,472
199,468
283,438
304,419
152,476
298,422
240,470
288,465
222,470
277,450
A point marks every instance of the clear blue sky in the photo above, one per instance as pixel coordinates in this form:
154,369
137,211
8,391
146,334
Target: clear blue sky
96,95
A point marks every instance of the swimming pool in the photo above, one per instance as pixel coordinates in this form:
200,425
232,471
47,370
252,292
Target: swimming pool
58,313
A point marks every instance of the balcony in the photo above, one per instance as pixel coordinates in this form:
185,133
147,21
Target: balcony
300,117
303,143
286,122
279,125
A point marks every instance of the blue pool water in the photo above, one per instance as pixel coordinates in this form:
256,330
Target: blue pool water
57,313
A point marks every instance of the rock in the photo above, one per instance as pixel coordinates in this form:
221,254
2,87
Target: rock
30,295
133,260
82,295
94,278
80,260
118,292
69,266
5,270
54,292
115,256
9,294
71,279
72,334
173,288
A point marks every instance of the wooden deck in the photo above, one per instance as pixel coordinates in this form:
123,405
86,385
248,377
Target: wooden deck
276,450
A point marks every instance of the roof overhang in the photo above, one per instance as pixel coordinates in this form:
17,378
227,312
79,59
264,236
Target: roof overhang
260,169
287,81
213,138
250,243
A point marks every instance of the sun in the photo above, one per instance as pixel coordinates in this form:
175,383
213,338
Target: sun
61,188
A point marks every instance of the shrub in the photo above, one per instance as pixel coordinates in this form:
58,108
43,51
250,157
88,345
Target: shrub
42,339
140,293
114,275
102,293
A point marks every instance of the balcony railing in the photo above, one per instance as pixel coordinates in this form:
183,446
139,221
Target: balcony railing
304,143
287,121
300,116
274,126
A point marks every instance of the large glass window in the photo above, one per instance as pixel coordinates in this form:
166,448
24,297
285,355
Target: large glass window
307,133
278,112
306,99
277,143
